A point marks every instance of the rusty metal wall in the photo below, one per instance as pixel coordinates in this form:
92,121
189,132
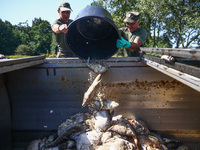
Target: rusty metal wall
42,97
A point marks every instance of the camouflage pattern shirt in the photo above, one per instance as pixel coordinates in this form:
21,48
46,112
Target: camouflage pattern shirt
60,37
140,33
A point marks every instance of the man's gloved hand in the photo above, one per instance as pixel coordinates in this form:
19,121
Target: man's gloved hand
123,43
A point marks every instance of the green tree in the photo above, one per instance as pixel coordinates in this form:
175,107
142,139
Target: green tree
41,35
178,20
9,38
24,50
53,44
24,32
183,22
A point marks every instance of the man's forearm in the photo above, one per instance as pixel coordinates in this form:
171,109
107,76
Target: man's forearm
133,46
55,28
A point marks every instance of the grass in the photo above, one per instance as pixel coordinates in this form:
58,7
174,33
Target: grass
154,54
23,56
16,56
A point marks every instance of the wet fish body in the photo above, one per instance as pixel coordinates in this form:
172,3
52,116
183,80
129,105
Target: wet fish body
117,144
104,104
70,130
122,126
89,95
88,140
77,119
139,126
34,145
106,136
97,67
103,119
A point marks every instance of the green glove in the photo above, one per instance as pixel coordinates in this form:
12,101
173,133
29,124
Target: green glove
123,43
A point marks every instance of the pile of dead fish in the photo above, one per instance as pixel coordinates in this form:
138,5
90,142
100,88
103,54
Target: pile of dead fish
101,130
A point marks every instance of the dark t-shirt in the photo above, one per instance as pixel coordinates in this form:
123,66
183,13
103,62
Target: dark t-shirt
140,33
60,37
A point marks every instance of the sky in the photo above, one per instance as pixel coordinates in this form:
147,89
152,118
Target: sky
16,11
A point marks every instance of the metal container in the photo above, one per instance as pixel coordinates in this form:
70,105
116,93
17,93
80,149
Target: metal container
93,34
35,100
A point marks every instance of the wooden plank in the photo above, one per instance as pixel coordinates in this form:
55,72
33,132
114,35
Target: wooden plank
176,52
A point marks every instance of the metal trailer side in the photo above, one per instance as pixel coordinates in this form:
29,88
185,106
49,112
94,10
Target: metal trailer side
35,100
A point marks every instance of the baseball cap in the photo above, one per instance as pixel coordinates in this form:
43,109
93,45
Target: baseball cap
132,17
64,6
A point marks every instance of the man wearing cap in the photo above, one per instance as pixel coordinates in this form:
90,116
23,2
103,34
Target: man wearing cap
132,36
60,27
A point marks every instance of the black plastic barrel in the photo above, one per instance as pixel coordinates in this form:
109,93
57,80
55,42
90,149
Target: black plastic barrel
93,34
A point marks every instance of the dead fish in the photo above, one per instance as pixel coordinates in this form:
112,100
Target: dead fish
104,104
38,144
122,126
106,135
103,119
88,140
147,143
155,136
183,147
89,95
34,145
90,124
77,119
117,144
172,143
70,130
71,144
139,126
97,68
51,138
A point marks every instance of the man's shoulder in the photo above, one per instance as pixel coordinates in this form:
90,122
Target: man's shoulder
70,20
57,21
142,30
124,29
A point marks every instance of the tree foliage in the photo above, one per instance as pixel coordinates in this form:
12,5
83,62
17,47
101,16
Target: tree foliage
175,21
9,38
41,35
24,39
168,23
24,50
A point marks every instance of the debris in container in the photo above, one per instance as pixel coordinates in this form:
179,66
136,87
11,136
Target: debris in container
101,130
121,133
103,104
34,145
103,120
97,66
89,95
98,69
68,131
168,58
2,56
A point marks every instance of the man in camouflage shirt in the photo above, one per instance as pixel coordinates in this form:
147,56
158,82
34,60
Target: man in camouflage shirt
132,36
60,28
